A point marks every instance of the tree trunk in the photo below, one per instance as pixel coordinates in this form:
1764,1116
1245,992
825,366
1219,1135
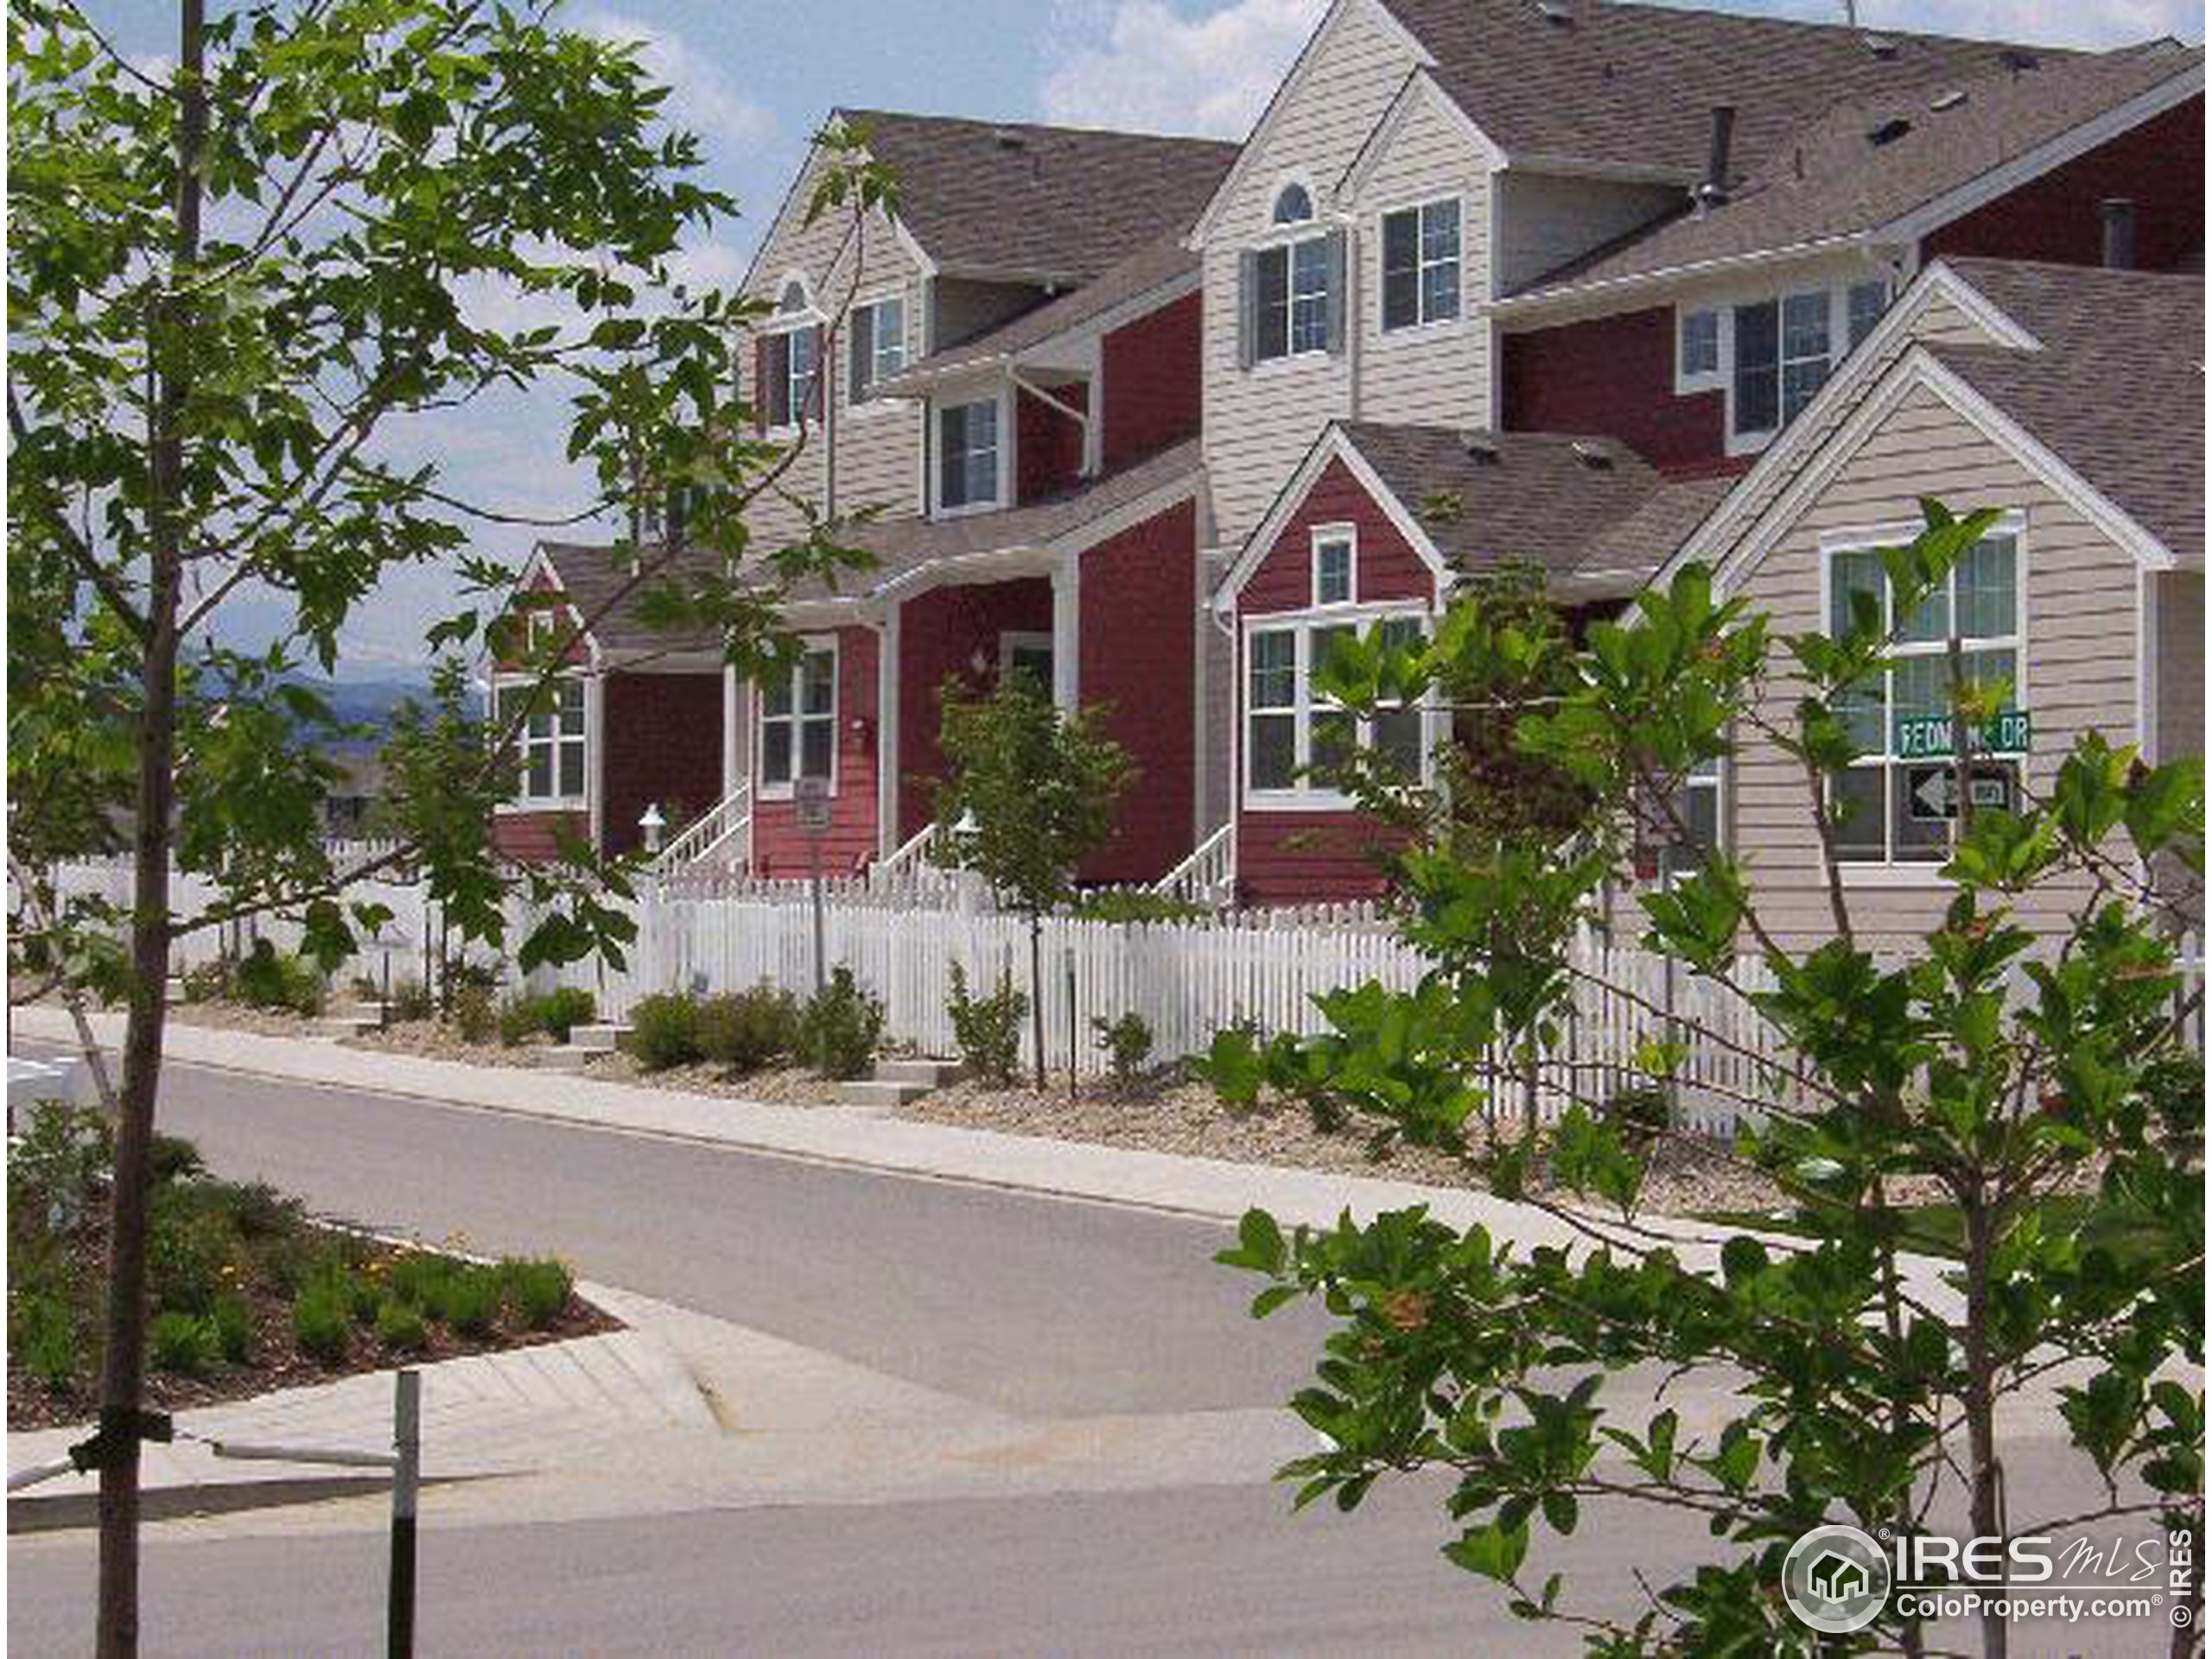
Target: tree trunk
1986,1504
122,1363
1037,991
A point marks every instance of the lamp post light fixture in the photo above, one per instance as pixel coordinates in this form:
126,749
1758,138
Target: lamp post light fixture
652,824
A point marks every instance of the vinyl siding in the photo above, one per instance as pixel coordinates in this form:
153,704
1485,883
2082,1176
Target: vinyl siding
2079,672
2180,693
1258,424
1437,373
1544,220
780,849
878,446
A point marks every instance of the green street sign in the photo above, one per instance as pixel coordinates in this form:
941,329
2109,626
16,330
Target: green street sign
1923,737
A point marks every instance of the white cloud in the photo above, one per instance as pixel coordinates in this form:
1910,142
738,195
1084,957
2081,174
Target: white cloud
1151,65
701,98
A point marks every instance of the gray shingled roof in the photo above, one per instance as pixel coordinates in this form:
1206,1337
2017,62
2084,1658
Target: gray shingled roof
1154,266
902,546
590,577
1035,203
1635,85
1832,178
1528,496
2118,391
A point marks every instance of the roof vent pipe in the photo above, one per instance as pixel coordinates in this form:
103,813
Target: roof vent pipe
2119,215
1714,189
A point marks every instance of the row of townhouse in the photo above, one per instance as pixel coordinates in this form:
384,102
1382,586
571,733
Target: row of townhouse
1602,287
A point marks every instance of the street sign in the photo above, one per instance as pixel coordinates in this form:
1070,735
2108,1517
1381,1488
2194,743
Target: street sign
1927,737
811,795
1932,792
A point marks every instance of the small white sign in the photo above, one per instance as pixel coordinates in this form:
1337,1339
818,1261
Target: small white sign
811,796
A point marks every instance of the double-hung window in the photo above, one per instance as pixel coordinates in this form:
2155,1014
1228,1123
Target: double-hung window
968,455
1420,264
1890,808
877,349
1296,735
550,743
798,721
1335,551
1292,293
789,362
1774,354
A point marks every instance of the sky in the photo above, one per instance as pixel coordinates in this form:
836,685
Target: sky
754,78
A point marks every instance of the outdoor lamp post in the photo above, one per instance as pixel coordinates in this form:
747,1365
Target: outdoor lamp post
652,824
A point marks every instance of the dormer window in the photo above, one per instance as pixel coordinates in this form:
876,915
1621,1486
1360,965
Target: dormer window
968,439
1294,205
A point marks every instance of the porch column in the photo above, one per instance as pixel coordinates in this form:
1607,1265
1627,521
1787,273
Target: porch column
1067,631
888,838
594,759
733,732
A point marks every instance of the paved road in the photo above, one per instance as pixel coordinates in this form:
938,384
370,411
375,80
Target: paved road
1031,1305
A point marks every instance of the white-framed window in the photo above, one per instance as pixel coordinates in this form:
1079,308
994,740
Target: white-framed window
1772,352
1290,291
1336,559
969,447
1420,264
549,744
1294,733
1879,818
791,362
877,348
797,724
1697,349
1293,204
1026,652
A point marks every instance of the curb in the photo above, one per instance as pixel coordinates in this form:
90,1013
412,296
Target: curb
29,1513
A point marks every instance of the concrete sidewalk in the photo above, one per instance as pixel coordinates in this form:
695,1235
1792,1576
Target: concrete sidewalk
523,1411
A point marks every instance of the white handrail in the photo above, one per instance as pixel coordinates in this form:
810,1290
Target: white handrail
721,823
1208,876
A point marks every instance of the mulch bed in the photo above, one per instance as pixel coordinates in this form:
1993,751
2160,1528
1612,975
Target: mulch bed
277,1362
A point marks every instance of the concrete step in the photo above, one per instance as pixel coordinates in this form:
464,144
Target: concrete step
344,1024
553,1057
355,1008
874,1092
929,1074
597,1039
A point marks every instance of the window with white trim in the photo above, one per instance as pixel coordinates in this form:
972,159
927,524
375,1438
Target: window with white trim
877,348
1863,306
968,440
1336,553
1290,298
1420,264
549,743
1697,348
1295,733
1877,823
798,721
1773,352
790,365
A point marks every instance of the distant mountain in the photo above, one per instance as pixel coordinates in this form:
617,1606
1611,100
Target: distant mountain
368,702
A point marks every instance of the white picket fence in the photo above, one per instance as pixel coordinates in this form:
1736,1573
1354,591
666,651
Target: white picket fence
1187,980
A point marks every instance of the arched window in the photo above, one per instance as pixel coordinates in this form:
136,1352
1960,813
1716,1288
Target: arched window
1294,205
794,298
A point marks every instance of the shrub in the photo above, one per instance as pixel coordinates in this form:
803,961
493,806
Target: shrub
1127,1043
843,1027
475,1014
473,1295
560,1010
173,1158
234,1325
989,1029
184,1345
419,1278
282,979
664,1031
257,1210
1643,1113
517,1022
401,1327
745,1030
538,1290
208,982
410,1000
322,1322
55,1165
43,1332
189,1242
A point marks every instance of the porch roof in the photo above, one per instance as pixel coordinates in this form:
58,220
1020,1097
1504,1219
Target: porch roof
905,549
591,577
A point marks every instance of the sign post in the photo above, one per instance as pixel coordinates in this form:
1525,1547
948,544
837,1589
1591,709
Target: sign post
811,796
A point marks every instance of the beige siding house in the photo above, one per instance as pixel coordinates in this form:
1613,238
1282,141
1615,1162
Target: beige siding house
2051,396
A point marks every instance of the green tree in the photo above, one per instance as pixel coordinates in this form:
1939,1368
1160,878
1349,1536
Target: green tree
2042,1086
1029,793
235,289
